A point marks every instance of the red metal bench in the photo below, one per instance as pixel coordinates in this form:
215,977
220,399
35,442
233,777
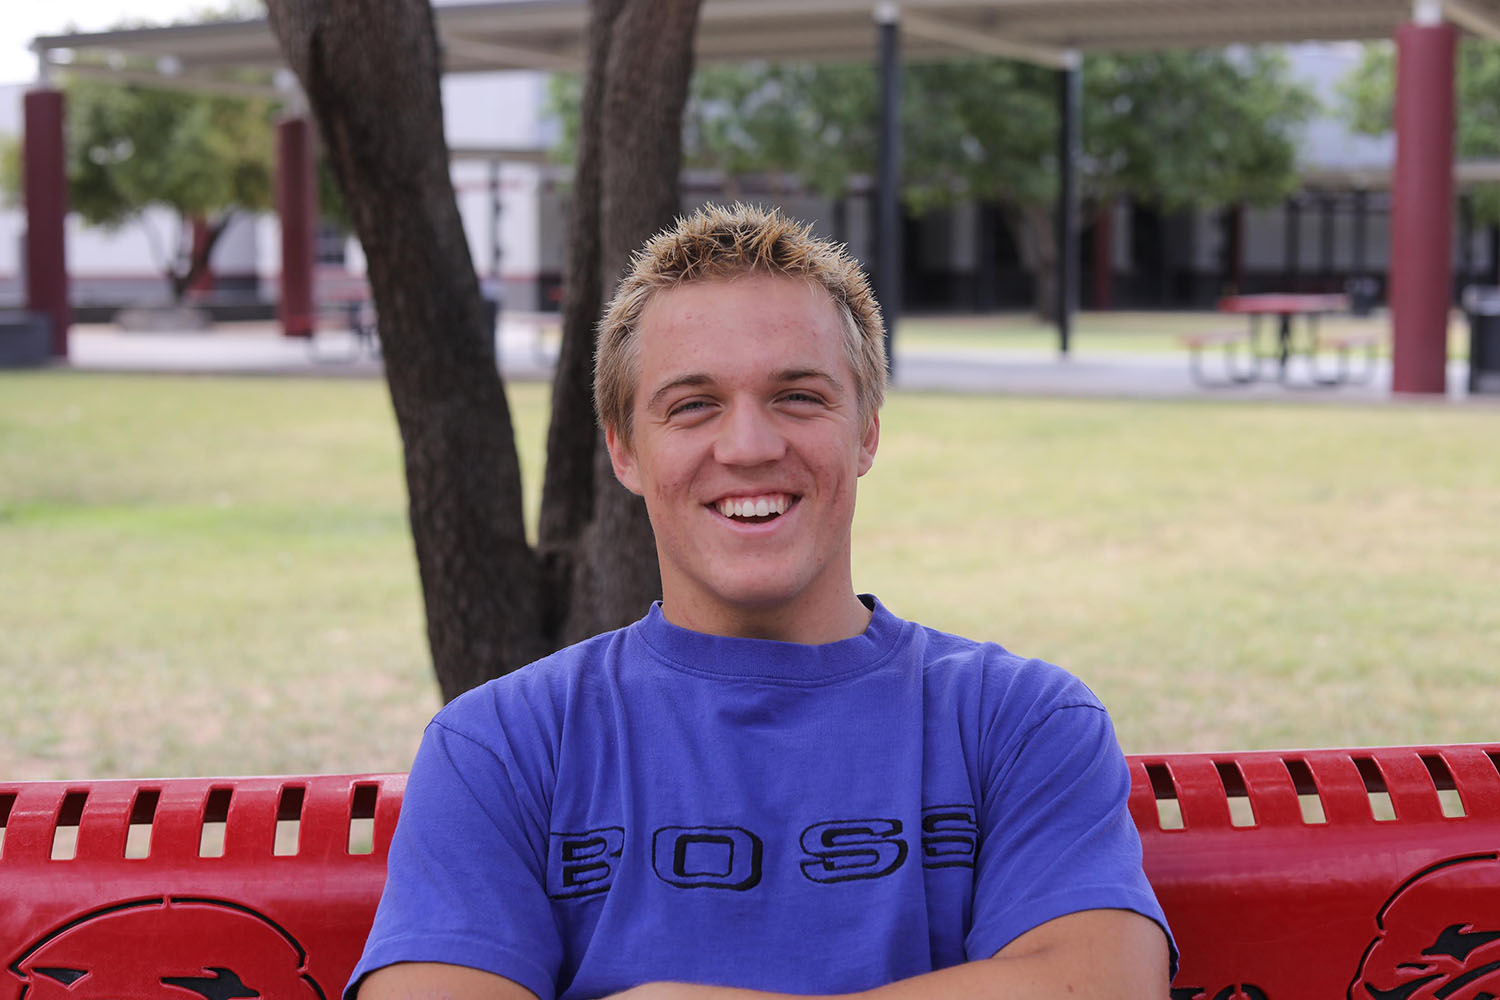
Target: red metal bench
1310,875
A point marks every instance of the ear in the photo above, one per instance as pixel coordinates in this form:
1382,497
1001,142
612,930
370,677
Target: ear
623,460
868,444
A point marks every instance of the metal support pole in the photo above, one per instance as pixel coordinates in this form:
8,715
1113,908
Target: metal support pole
986,270
888,177
1465,244
1494,246
1422,205
1069,97
1361,230
1101,268
1231,256
1293,237
495,220
1326,235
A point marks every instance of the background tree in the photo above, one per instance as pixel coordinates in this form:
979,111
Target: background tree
132,148
371,76
1176,129
1368,93
205,157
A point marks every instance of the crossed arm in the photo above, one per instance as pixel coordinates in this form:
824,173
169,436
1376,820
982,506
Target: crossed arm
1091,955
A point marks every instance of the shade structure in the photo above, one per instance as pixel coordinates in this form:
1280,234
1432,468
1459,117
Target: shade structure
549,35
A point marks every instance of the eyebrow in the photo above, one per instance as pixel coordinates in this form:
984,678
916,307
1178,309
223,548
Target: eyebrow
681,381
798,374
786,375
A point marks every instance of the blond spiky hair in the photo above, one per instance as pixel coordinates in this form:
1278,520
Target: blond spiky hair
718,243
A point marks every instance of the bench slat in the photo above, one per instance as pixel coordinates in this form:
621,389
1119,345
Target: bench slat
1410,786
1477,776
1273,796
1346,801
33,822
179,820
105,822
251,828
1200,793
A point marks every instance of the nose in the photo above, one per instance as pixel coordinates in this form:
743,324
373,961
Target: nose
748,436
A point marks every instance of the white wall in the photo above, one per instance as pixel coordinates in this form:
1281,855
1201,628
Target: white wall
498,109
1326,141
494,109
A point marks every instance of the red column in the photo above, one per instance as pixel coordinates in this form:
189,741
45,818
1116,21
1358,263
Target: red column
1422,207
1235,248
46,185
204,283
297,204
1102,296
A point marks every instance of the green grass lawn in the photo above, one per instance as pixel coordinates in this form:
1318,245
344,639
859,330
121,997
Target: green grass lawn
214,575
1096,333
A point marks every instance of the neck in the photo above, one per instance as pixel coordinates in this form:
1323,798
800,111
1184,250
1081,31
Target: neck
802,623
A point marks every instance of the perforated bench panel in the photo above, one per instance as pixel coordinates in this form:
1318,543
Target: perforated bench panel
1366,874
119,890
1278,878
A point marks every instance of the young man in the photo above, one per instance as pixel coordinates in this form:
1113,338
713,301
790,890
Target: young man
769,785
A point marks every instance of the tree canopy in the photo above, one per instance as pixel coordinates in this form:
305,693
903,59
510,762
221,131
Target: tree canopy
132,148
1369,91
203,156
1176,128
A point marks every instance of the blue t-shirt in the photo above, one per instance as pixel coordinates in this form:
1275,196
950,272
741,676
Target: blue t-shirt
660,804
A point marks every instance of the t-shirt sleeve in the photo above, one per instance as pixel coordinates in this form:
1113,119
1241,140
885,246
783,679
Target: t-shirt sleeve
465,880
1056,835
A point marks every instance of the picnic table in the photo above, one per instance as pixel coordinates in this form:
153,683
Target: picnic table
1286,307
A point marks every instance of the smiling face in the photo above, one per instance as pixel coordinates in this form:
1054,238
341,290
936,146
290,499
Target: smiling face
747,442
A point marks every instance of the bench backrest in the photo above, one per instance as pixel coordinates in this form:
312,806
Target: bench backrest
1315,874
1327,873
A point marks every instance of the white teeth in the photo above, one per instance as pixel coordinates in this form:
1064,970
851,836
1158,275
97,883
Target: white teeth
776,503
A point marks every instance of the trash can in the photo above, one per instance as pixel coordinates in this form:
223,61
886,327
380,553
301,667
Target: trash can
1483,308
25,339
1363,292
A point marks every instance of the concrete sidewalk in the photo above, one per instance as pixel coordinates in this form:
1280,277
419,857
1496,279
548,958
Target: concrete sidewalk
527,347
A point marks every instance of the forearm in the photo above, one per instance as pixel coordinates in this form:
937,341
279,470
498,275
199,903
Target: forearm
990,979
1093,955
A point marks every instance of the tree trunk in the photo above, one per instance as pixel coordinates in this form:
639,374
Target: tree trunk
205,236
640,129
626,189
1036,239
568,486
370,73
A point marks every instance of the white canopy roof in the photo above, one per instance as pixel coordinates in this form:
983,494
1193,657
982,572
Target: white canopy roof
548,34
